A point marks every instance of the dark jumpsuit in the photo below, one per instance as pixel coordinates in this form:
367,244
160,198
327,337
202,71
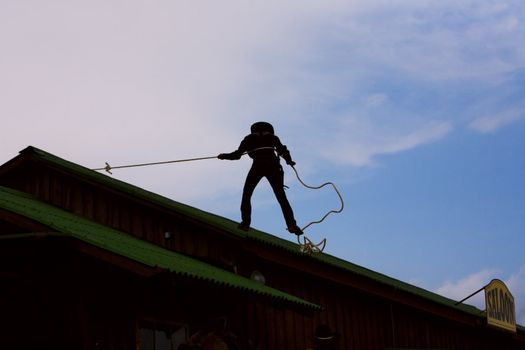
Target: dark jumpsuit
265,164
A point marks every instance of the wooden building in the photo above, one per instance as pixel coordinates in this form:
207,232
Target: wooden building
90,262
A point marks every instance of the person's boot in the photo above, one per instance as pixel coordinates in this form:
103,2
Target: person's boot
244,226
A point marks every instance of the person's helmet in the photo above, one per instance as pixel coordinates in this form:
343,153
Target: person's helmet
261,127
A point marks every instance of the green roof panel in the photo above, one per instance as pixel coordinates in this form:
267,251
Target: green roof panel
123,244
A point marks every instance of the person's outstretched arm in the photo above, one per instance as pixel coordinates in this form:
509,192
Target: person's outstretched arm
235,155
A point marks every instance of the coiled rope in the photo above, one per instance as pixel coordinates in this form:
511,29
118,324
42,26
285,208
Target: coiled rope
334,211
306,246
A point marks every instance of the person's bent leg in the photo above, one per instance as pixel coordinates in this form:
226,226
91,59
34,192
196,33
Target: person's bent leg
276,179
252,179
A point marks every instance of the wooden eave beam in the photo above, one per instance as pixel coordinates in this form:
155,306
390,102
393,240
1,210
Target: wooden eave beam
22,222
114,259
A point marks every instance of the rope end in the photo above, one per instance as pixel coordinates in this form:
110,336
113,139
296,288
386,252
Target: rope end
308,247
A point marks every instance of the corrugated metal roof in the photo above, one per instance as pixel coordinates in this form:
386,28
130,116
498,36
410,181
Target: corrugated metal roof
133,248
231,227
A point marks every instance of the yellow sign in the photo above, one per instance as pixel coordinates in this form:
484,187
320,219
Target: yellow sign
501,311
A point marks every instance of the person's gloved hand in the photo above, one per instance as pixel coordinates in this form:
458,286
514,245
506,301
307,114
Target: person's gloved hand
222,156
291,163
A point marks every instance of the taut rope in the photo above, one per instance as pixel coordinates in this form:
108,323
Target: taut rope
108,167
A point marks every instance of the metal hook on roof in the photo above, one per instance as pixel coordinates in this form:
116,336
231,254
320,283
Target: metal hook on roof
108,168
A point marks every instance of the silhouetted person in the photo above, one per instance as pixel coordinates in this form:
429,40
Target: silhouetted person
261,146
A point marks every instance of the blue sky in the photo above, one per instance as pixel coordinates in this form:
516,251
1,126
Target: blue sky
413,108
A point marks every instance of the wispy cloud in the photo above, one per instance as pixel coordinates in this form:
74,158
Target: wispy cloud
360,145
429,133
490,124
458,290
435,40
462,288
